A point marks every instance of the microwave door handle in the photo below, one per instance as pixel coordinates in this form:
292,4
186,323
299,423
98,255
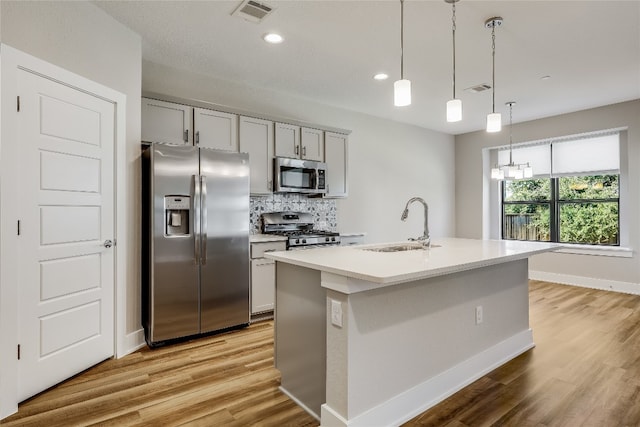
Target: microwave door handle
203,221
196,219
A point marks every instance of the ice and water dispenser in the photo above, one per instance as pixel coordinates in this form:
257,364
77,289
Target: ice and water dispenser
176,215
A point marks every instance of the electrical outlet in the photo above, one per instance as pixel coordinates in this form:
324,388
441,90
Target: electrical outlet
479,314
336,313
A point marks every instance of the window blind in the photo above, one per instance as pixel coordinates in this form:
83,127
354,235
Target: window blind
538,156
599,154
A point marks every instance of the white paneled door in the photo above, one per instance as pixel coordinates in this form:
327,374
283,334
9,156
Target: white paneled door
66,271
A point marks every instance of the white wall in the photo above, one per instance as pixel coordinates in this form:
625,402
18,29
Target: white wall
81,38
571,268
389,162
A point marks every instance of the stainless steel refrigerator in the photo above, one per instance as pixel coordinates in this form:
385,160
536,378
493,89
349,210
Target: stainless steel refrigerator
195,247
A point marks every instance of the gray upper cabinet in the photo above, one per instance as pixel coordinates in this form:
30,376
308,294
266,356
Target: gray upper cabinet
166,122
256,138
215,129
312,144
178,124
336,147
299,143
287,140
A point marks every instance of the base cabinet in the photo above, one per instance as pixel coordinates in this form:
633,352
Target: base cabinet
263,276
263,286
351,239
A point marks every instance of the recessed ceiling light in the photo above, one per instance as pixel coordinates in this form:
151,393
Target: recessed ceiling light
273,38
545,77
381,76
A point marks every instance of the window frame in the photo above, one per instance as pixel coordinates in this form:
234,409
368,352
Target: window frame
554,203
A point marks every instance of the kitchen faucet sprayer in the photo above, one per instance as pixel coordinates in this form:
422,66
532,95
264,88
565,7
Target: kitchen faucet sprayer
425,239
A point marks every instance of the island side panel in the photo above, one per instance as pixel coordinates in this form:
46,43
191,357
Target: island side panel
400,338
300,335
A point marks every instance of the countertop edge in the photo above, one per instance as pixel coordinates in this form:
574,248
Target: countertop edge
382,281
266,238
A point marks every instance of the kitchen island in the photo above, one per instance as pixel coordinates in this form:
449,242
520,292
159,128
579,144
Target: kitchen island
368,336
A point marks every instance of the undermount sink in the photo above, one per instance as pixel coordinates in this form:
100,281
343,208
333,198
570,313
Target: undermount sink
398,248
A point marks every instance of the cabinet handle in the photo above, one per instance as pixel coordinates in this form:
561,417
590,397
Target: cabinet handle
186,135
297,150
304,151
197,137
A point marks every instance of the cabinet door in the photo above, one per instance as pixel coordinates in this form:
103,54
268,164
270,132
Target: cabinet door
256,138
215,129
351,240
263,285
312,144
335,151
287,140
166,122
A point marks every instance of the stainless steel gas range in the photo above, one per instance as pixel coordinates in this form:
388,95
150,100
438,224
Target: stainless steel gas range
298,228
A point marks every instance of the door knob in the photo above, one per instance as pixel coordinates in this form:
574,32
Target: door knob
108,243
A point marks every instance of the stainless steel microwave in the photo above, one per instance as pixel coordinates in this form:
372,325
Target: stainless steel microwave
299,176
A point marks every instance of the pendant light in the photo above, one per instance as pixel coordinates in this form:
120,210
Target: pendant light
402,87
512,170
454,105
494,120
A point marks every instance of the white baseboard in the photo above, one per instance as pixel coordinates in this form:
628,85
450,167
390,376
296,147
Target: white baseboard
133,341
586,282
418,399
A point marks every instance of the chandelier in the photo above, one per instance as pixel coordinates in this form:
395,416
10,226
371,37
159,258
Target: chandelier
511,170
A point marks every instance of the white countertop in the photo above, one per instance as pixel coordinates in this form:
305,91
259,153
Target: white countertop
266,238
452,256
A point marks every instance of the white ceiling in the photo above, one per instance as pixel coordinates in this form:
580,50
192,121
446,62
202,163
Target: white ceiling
591,50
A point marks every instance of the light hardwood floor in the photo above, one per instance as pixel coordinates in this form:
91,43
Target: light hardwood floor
584,370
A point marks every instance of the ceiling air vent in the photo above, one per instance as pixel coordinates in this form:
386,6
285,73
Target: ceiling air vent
478,88
252,10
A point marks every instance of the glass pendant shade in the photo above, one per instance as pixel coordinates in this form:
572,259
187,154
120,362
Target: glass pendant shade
494,122
454,110
518,174
497,173
528,172
402,93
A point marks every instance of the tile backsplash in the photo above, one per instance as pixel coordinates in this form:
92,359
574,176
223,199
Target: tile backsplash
324,210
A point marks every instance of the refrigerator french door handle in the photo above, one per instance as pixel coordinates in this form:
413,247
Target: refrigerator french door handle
196,219
203,202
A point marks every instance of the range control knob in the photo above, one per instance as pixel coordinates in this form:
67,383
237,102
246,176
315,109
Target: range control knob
333,239
326,239
304,240
297,241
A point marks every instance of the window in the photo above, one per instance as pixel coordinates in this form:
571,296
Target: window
574,196
572,209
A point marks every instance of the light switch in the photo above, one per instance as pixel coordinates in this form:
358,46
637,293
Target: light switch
336,313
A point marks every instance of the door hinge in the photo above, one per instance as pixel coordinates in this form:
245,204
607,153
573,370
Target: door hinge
18,227
18,351
18,103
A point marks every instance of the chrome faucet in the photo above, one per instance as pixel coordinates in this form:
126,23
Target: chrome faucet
425,239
